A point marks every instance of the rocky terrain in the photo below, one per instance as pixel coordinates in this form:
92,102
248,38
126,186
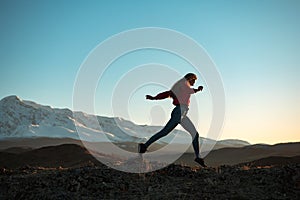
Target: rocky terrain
172,182
69,171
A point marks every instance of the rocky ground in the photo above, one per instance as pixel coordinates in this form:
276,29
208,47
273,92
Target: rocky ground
172,182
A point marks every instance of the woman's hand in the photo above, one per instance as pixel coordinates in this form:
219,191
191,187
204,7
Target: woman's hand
200,88
149,97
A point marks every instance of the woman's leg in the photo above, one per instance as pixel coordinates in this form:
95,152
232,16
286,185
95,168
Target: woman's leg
187,124
172,123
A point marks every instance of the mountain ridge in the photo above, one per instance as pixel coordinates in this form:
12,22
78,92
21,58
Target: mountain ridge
25,119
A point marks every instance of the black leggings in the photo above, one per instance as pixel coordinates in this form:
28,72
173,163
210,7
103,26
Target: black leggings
178,116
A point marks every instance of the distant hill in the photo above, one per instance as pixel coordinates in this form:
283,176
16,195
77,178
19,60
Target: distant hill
35,142
273,160
17,150
66,155
233,156
73,155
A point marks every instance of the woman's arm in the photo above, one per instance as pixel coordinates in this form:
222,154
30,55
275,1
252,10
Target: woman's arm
162,95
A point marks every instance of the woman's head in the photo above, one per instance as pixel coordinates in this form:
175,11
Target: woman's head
191,78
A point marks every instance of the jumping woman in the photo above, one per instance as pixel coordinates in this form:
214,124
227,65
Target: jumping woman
180,93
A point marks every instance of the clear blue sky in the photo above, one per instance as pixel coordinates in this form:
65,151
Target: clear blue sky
255,45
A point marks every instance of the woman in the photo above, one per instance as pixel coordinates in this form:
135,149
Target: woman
180,93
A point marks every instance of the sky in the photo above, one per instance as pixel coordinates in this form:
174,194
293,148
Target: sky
255,46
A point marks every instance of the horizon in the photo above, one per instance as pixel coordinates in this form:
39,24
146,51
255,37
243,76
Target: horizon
253,44
177,128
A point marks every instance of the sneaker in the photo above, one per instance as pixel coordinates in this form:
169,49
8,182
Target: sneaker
142,148
200,161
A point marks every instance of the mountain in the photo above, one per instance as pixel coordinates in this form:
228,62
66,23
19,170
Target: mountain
26,119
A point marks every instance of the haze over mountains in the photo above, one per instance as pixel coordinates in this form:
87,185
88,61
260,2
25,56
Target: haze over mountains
75,155
26,119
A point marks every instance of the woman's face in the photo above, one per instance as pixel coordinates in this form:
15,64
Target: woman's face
192,82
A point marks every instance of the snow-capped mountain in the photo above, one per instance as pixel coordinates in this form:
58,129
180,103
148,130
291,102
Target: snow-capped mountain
20,118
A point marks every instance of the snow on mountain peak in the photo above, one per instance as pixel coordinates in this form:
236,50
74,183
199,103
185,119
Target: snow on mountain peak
13,101
21,118
10,100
